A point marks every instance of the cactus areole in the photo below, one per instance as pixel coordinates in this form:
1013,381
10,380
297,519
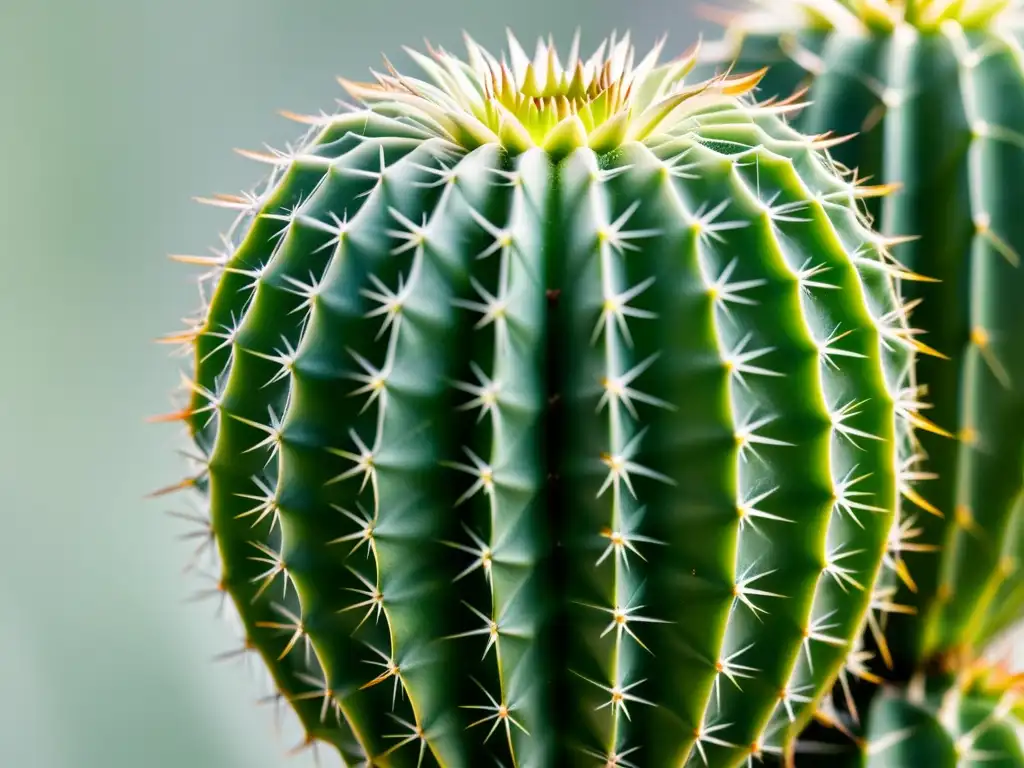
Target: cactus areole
552,414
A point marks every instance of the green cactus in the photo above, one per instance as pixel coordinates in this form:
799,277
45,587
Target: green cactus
971,719
552,415
933,94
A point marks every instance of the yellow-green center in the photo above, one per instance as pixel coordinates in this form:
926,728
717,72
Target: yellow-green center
520,101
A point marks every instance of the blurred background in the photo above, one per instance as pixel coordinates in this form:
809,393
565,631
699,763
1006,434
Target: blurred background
115,113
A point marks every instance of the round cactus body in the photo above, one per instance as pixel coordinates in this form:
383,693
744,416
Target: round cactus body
552,414
934,95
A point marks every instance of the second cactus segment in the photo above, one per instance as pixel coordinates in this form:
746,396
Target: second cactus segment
971,719
555,414
935,95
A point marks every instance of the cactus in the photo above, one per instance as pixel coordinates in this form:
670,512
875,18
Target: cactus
550,415
933,97
973,717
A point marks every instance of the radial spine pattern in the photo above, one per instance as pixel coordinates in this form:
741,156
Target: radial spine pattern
552,415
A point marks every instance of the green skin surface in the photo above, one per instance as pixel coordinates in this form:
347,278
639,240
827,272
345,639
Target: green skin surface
937,723
285,440
940,112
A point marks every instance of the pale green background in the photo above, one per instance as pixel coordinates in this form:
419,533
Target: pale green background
113,114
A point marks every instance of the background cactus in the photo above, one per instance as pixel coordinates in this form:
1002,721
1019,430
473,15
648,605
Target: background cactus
972,718
932,97
935,95
552,415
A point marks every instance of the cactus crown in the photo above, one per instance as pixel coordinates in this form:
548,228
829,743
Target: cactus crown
519,102
887,15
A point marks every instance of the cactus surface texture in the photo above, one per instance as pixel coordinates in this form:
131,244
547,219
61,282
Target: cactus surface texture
933,94
972,719
553,414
